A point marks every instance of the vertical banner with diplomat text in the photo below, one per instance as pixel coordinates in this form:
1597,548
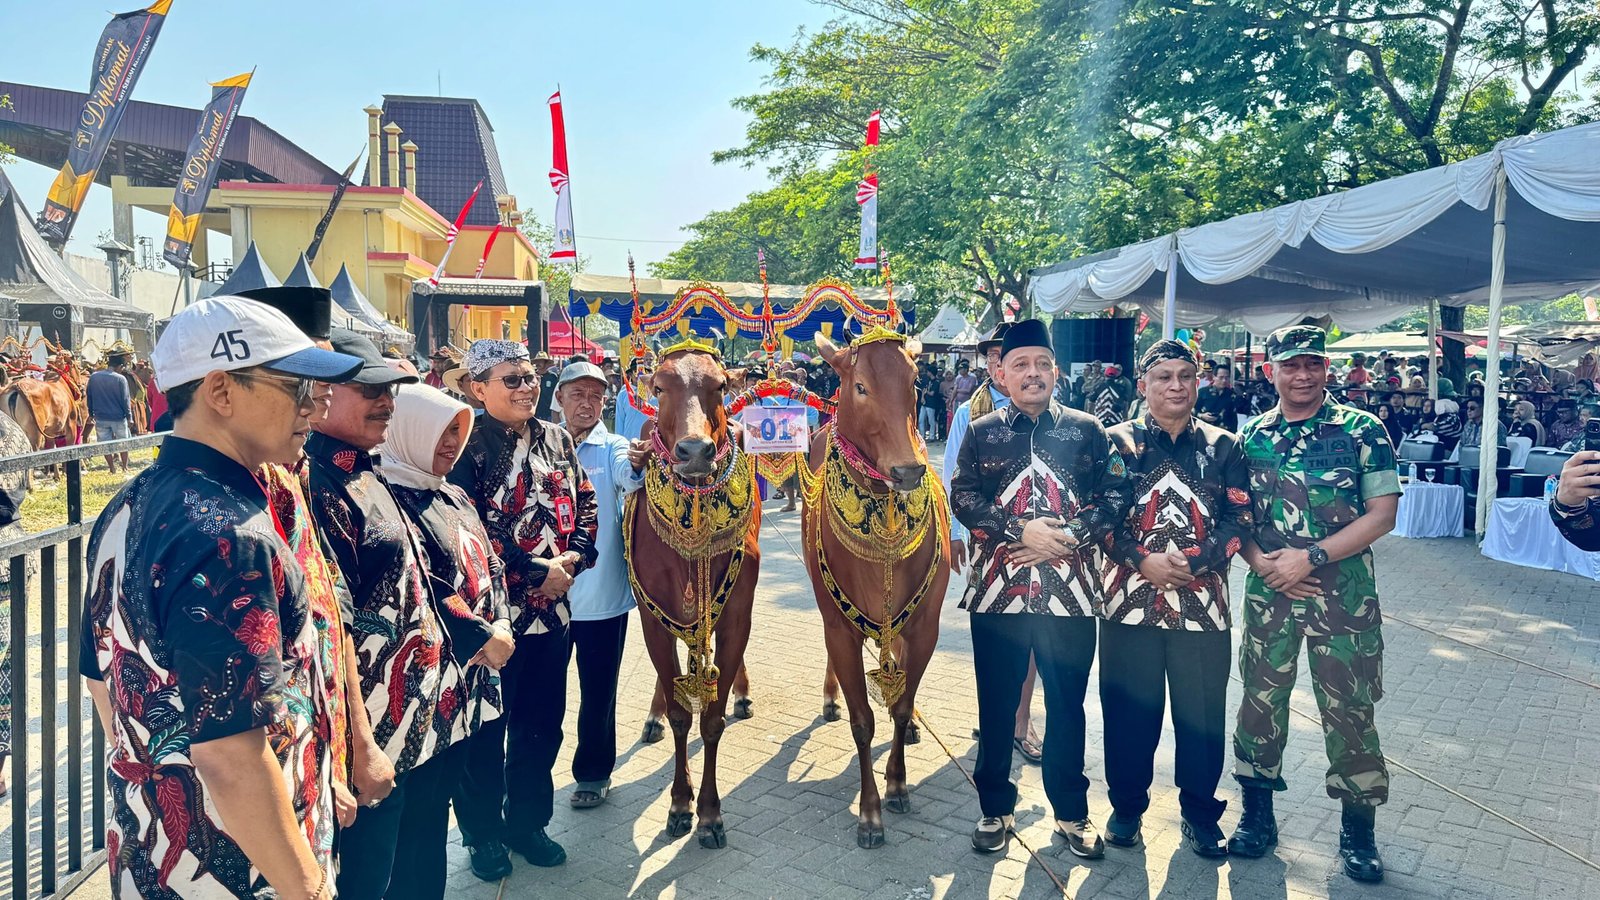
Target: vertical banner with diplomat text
124,48
200,164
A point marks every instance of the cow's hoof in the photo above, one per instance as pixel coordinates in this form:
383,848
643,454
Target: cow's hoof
742,708
913,733
898,803
654,731
869,837
679,824
712,837
830,711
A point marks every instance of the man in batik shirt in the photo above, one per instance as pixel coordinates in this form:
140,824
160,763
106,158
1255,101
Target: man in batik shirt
1039,487
539,510
198,642
1324,488
408,677
1165,623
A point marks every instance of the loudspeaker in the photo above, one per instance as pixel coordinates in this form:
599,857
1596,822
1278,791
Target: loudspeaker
1081,341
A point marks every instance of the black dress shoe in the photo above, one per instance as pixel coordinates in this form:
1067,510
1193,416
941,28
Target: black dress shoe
1358,846
490,861
1123,831
1205,840
539,849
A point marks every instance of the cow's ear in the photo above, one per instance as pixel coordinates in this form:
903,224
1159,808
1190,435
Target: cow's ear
837,357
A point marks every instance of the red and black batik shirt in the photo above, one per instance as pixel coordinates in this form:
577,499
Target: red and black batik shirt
410,684
1012,468
1191,495
536,503
198,622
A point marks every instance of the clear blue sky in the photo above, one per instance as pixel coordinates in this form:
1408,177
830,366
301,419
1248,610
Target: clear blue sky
647,87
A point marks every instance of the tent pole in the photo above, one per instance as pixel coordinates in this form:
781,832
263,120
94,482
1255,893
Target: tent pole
1433,344
1488,458
1169,302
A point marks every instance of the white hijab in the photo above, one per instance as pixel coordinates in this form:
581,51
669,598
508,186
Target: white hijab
421,415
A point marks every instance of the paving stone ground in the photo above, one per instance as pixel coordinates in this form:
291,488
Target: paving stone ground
1477,741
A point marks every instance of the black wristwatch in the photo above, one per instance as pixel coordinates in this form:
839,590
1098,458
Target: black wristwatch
1317,555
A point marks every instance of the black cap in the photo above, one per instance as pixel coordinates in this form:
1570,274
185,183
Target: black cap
1027,333
373,368
309,308
996,337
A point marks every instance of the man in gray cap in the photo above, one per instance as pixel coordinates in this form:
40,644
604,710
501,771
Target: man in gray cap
602,598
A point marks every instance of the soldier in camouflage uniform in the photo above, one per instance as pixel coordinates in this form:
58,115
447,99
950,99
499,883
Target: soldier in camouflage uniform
1324,487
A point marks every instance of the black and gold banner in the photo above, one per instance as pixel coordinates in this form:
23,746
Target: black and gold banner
124,48
200,165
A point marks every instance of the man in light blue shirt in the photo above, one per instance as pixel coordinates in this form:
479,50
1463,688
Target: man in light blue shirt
600,599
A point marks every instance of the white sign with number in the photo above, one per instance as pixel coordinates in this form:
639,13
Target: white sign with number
776,429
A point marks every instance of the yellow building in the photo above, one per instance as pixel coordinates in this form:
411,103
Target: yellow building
383,231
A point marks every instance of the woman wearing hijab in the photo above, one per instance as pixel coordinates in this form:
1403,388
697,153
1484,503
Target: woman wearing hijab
1447,424
1525,423
426,437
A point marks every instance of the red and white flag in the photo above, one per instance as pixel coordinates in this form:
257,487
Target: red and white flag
565,250
487,246
450,236
867,196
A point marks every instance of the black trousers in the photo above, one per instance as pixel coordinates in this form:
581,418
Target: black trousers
506,790
598,646
1139,666
396,850
1063,648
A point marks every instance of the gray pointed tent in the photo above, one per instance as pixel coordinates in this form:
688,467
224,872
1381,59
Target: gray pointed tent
251,273
301,275
354,304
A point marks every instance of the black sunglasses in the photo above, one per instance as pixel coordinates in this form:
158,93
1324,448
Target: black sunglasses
512,382
375,391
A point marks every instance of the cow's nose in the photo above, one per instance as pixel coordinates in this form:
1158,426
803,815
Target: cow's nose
694,449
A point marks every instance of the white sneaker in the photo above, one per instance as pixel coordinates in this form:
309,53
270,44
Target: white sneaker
1083,839
992,834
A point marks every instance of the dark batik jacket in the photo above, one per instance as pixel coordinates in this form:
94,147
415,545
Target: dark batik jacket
197,620
536,503
411,684
1192,495
471,581
1010,469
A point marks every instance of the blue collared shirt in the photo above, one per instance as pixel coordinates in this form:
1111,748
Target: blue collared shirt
959,423
630,422
603,592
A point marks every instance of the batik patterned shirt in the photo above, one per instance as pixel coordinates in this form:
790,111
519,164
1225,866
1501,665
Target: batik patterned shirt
471,580
198,622
536,503
1191,495
1012,468
1309,479
410,685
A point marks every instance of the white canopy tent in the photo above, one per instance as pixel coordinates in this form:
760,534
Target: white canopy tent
949,329
1367,255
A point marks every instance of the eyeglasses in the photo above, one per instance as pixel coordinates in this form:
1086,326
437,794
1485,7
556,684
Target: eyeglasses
375,391
512,382
301,392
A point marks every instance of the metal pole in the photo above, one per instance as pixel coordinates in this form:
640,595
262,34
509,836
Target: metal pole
1488,458
1169,301
1433,342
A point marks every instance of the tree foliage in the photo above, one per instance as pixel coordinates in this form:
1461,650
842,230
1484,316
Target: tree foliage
1020,132
5,151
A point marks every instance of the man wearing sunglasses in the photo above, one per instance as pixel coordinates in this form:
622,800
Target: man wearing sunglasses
402,645
198,642
538,507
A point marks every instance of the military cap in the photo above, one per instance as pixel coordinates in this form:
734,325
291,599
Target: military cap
1296,340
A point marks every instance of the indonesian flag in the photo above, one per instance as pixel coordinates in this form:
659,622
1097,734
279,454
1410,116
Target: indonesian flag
565,251
867,196
487,246
450,236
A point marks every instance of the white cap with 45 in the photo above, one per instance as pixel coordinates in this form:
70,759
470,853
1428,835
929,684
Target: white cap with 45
226,334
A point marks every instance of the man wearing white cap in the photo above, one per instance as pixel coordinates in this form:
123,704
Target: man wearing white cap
198,643
602,598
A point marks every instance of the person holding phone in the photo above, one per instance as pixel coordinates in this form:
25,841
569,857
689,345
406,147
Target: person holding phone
1573,506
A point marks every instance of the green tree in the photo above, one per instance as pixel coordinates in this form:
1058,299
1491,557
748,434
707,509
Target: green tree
6,152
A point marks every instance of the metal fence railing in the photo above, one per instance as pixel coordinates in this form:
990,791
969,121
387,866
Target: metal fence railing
53,849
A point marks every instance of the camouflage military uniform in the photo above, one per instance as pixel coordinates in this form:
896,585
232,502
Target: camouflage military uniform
1308,480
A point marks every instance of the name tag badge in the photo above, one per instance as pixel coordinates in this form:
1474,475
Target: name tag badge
566,515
